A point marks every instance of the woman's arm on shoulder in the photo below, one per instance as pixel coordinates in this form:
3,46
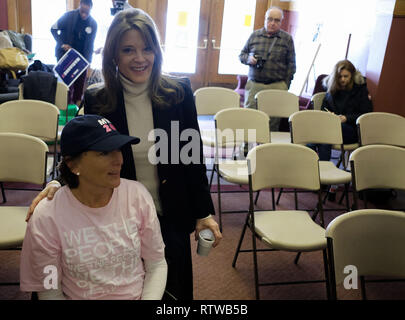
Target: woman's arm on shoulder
48,192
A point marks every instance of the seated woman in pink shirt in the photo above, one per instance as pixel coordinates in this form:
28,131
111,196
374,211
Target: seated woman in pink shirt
99,238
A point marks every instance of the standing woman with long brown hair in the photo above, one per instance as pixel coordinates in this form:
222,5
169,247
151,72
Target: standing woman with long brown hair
140,100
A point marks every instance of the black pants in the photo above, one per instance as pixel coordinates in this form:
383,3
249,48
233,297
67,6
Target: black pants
76,89
349,133
179,284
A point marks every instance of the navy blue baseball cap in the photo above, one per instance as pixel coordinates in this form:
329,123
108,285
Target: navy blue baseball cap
92,133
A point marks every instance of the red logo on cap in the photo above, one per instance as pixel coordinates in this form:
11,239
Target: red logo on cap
107,125
107,128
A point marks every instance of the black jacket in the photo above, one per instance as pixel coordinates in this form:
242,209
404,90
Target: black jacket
63,33
183,188
357,103
40,85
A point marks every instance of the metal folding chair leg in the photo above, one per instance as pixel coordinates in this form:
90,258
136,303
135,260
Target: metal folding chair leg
3,193
240,241
212,176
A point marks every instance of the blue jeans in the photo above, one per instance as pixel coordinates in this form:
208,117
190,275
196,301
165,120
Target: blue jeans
349,133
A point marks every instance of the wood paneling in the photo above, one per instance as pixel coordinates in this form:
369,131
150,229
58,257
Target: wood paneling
19,16
285,5
3,15
399,10
261,8
25,18
12,7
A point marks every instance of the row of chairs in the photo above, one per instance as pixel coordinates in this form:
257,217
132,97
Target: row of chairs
27,130
306,127
295,230
37,118
23,159
32,117
275,103
211,100
369,240
377,127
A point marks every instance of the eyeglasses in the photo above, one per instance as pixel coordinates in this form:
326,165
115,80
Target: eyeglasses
275,20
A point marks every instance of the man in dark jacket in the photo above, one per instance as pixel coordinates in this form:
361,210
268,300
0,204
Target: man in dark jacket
76,29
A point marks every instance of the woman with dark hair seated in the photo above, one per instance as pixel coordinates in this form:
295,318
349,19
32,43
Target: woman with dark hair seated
99,238
347,96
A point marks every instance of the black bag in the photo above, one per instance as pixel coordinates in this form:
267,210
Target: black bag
40,85
37,65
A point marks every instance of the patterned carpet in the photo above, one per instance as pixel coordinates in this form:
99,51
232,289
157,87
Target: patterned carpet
214,277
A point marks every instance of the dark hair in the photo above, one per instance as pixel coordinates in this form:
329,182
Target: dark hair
332,81
67,176
87,2
163,90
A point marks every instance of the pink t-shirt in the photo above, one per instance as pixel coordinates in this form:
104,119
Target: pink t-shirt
97,252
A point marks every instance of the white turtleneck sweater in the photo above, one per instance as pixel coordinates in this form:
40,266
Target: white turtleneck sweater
138,107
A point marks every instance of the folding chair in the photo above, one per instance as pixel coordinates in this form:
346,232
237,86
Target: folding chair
319,127
61,101
33,117
277,104
275,166
317,100
381,128
370,242
22,159
377,167
61,96
208,101
235,127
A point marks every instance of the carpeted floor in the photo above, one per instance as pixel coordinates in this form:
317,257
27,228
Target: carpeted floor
214,277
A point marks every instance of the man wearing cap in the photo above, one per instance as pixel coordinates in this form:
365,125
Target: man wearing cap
99,238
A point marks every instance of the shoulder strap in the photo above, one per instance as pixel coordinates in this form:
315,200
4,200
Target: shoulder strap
271,46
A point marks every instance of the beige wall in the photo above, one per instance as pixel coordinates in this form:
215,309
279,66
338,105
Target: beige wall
384,56
381,57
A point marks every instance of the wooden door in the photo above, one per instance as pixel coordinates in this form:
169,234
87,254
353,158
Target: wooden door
211,17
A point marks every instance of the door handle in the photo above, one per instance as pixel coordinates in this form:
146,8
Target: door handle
213,45
205,45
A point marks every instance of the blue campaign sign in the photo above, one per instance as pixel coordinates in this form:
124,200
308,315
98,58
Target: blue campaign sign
71,66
